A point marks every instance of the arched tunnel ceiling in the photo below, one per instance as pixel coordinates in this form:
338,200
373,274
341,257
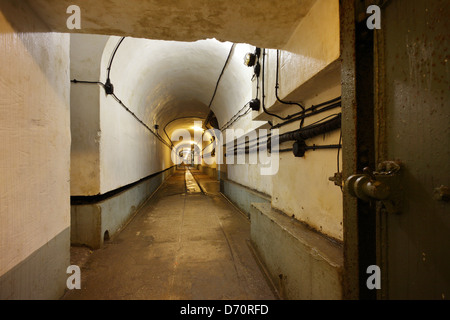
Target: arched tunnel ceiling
186,123
177,78
263,23
166,80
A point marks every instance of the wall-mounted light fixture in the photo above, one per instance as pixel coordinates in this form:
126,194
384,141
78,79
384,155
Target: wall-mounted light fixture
250,59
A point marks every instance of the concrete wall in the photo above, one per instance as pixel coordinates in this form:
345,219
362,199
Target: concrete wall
86,52
297,228
309,73
242,196
128,150
111,149
34,157
90,222
303,265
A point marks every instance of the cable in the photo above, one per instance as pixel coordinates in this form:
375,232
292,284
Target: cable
140,121
263,92
220,77
218,81
89,82
312,130
108,83
126,108
314,148
157,135
302,134
311,126
236,117
187,117
338,155
313,110
323,119
262,88
313,107
113,55
277,85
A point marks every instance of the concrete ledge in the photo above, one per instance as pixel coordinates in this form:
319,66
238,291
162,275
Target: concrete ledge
302,264
242,196
42,275
92,223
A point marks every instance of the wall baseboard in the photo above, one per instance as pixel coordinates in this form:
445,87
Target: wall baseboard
242,196
93,221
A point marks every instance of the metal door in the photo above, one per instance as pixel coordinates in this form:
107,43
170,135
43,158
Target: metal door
395,105
412,117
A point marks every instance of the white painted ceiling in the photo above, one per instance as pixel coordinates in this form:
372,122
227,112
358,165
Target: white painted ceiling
166,80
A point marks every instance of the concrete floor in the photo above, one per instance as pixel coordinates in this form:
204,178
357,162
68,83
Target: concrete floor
186,243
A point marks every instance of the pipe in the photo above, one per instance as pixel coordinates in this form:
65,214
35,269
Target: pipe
312,131
277,85
312,111
263,91
301,134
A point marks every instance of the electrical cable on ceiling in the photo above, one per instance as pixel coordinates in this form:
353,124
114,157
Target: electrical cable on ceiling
112,57
220,77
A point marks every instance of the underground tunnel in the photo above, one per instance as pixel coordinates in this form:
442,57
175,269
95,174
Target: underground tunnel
226,151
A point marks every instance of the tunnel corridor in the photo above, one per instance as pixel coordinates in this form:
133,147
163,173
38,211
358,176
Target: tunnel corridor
224,150
187,242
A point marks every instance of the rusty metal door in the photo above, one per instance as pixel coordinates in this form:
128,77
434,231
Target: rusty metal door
395,106
412,116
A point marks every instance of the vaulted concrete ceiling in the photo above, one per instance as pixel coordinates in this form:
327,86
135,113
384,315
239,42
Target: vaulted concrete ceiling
167,80
263,23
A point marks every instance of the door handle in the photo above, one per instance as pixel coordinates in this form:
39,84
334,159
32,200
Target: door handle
383,185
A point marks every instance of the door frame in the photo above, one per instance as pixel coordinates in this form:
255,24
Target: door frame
358,137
